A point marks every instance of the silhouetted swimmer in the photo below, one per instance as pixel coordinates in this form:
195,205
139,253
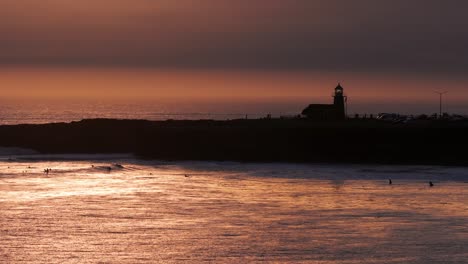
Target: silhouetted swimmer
186,176
390,182
431,184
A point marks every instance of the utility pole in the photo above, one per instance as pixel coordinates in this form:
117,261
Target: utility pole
346,106
440,101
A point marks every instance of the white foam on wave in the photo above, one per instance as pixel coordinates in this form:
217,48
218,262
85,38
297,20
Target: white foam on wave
269,170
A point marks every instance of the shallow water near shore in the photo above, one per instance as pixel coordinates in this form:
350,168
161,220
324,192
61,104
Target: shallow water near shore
90,209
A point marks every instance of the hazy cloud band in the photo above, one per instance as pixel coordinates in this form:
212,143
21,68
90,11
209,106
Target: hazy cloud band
417,36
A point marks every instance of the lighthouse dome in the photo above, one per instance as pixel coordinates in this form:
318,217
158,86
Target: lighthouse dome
339,89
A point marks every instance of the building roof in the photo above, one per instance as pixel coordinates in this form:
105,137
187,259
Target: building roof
316,108
320,106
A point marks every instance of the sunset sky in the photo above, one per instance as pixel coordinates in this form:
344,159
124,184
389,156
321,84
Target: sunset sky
381,50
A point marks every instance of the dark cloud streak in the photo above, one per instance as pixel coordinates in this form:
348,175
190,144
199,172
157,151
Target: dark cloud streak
419,36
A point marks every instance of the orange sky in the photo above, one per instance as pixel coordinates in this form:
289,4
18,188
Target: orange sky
151,84
392,51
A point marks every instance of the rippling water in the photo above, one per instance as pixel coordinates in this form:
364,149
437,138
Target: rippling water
88,210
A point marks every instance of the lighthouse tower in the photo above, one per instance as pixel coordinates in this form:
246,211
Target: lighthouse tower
339,102
335,111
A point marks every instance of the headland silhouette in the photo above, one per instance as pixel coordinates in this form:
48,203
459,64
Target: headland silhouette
321,134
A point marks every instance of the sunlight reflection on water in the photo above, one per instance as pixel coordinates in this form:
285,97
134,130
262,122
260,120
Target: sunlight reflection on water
228,212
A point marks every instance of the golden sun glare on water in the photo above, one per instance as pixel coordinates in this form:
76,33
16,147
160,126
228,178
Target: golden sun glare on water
98,210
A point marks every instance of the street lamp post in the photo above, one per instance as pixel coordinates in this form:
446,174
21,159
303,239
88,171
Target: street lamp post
440,101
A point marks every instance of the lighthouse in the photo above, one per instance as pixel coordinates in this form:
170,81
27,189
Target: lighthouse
339,102
335,111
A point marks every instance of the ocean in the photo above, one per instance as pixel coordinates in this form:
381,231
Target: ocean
118,209
52,111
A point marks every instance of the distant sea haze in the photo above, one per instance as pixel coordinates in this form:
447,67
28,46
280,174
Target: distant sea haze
63,111
57,94
40,112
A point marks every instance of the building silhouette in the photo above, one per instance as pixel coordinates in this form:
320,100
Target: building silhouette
335,111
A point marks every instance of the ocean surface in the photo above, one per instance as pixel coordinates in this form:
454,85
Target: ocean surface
36,112
117,209
50,111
